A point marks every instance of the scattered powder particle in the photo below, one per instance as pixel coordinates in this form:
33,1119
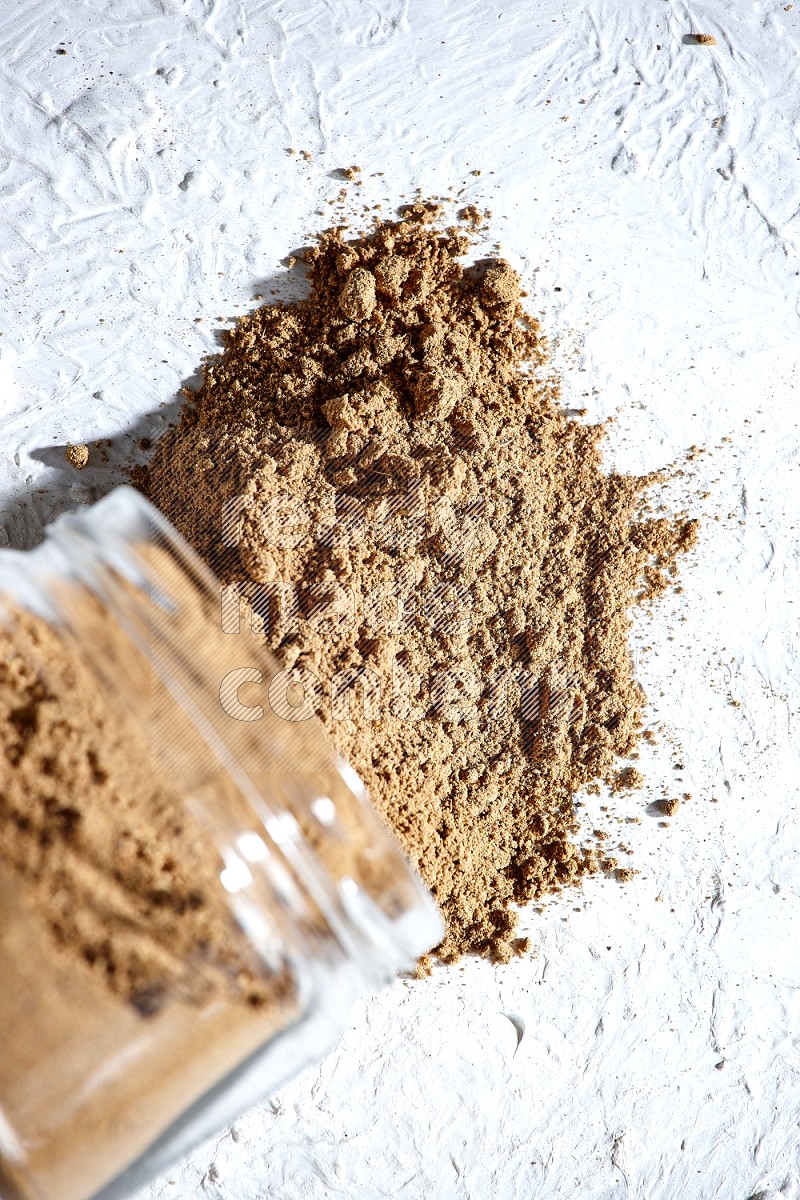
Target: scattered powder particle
704,39
472,216
77,456
627,779
669,806
437,554
625,874
349,172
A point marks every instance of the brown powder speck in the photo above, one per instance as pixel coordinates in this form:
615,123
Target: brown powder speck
669,806
627,779
438,544
704,39
472,216
77,456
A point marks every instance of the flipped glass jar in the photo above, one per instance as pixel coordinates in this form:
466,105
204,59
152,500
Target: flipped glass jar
189,931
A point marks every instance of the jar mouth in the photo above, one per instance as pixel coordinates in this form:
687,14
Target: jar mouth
396,942
381,916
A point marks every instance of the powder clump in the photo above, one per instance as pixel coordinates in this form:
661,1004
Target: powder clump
357,300
77,456
439,560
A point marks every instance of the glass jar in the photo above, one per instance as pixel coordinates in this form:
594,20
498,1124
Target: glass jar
186,929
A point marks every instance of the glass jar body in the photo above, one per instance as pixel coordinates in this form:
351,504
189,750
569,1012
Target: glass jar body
189,900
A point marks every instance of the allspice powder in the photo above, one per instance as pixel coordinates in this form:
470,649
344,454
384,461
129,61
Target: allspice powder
103,847
129,989
436,554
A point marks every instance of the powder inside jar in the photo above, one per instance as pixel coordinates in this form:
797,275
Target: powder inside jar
127,987
104,848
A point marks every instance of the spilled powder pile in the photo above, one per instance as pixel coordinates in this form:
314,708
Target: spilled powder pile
106,854
435,554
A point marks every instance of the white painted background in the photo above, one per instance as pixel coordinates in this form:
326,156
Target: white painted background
144,183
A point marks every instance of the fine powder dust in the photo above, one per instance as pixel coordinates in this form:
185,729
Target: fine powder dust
437,557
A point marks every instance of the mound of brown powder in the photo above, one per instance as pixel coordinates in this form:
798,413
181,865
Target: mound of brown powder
435,551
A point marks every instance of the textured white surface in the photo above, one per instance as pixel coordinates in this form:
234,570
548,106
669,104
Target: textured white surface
651,1048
